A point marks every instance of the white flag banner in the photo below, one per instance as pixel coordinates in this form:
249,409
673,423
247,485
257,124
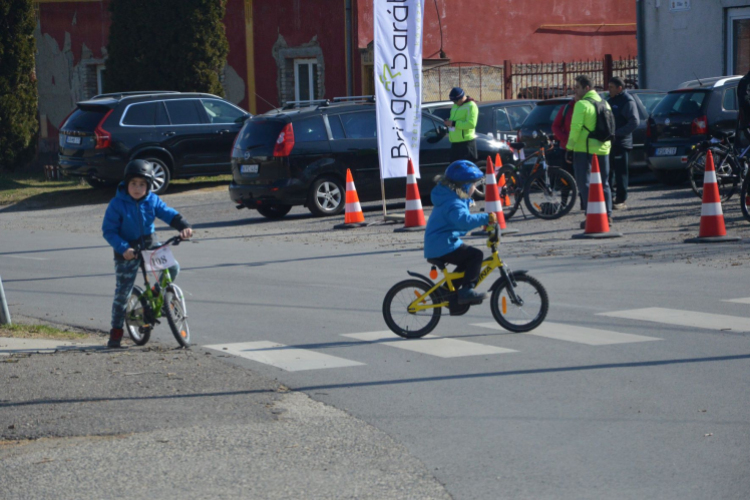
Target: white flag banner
398,83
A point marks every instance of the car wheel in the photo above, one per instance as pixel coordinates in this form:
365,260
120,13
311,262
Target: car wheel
162,175
273,211
671,177
100,183
327,197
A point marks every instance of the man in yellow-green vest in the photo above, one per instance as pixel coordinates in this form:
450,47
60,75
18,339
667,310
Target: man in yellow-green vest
581,148
461,124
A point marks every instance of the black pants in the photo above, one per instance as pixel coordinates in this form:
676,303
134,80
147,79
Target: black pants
467,260
618,174
464,151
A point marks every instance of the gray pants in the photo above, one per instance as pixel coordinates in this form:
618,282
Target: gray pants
582,169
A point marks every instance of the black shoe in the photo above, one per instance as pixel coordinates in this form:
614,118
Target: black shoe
115,337
470,296
583,224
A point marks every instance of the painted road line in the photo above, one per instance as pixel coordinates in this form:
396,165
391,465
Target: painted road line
289,358
679,317
25,257
577,334
745,300
429,344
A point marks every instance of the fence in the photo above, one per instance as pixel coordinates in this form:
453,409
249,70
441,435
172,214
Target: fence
523,81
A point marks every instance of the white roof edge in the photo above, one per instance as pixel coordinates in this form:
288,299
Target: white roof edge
725,80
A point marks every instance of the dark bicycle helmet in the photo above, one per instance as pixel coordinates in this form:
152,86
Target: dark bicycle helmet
140,168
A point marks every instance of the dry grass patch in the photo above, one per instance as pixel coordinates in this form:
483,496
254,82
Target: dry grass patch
40,332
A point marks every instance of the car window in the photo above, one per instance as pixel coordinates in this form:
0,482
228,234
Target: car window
427,126
183,112
542,115
85,119
221,112
729,102
443,113
337,130
360,125
310,129
501,120
140,114
650,101
686,103
516,115
161,114
259,132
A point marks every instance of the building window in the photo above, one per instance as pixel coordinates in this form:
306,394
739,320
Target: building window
305,79
100,70
738,41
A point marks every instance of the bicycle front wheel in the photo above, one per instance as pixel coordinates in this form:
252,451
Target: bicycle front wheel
135,317
510,194
400,320
525,313
176,312
551,194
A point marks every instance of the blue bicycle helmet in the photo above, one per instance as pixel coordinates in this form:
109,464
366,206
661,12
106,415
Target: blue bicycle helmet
463,172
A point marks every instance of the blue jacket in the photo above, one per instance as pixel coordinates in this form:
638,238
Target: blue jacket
450,219
128,222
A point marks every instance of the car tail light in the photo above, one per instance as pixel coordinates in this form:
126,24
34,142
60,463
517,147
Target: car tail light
103,138
648,130
285,142
699,126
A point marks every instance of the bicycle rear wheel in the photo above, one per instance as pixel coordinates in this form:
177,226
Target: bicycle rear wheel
176,312
400,320
135,317
725,167
745,198
525,314
551,194
511,191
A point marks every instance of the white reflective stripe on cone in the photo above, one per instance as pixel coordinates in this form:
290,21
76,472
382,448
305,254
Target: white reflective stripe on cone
709,177
350,186
595,178
711,209
596,207
411,179
353,207
490,179
493,206
413,205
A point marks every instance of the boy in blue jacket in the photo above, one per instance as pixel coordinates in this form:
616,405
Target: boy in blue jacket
450,219
129,222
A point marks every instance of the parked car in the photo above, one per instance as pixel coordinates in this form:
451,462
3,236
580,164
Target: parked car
501,119
182,134
299,156
685,117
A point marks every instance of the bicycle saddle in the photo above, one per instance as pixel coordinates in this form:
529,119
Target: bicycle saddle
437,262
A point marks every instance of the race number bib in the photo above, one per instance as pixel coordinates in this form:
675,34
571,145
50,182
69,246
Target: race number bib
158,260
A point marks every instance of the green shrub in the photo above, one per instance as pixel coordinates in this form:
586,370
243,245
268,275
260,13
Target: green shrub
18,93
166,45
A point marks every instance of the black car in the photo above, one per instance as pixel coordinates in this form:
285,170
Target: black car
500,119
299,156
686,116
182,134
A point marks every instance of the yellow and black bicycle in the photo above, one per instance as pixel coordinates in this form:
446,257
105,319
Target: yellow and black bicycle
412,307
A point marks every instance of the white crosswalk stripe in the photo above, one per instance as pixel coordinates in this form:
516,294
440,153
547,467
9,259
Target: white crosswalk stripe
693,319
577,334
429,344
745,300
287,358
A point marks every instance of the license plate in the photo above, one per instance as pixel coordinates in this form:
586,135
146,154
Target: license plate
73,140
666,151
249,169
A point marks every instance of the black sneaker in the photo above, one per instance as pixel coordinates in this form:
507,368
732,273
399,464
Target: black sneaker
470,296
115,338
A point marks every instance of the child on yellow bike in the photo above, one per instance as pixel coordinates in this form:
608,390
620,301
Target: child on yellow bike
129,222
450,219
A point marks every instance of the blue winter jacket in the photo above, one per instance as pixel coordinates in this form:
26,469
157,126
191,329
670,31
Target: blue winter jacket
128,222
450,219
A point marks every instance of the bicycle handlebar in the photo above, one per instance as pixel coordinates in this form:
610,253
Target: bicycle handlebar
174,240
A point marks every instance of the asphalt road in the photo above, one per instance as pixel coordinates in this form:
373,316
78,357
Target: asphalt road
634,388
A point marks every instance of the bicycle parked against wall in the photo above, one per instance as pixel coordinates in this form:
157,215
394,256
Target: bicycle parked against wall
146,305
549,192
412,307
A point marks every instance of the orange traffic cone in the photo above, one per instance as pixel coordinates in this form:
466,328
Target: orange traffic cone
712,229
414,218
492,202
353,216
597,225
501,181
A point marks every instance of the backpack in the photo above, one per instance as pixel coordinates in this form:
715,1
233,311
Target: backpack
605,122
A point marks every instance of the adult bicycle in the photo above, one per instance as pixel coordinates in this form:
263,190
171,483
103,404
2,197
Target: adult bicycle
146,305
549,192
412,308
730,165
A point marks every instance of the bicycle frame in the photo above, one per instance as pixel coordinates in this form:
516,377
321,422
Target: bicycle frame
156,298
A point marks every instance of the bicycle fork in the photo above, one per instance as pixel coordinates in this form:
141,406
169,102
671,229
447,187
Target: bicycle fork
514,297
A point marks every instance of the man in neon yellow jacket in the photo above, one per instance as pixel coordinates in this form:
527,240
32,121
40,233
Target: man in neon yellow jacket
580,148
462,124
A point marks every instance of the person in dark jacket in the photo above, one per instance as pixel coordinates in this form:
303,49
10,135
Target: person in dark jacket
129,222
743,99
625,110
450,219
